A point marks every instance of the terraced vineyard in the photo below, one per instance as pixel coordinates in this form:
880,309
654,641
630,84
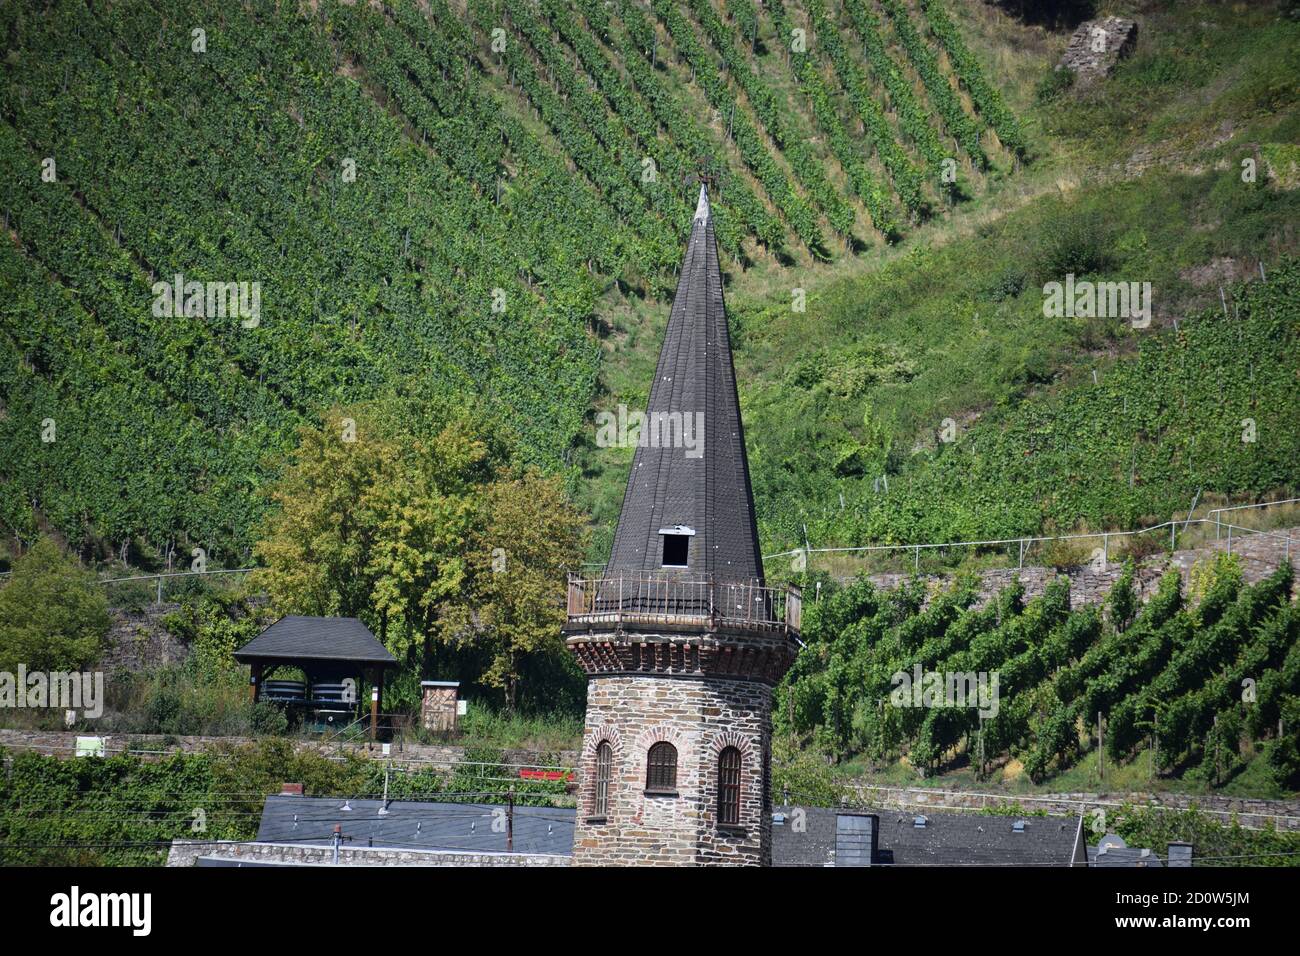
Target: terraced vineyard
1188,680
429,196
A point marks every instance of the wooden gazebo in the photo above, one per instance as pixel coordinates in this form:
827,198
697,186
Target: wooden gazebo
329,651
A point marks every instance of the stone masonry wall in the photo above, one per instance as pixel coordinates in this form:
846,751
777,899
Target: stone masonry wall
1260,555
1097,46
1248,812
700,717
185,853
59,743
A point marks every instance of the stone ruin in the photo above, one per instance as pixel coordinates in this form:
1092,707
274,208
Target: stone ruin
1096,47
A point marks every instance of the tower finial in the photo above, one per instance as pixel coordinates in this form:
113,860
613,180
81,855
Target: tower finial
702,207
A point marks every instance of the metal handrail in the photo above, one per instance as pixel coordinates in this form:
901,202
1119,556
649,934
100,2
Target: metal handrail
647,595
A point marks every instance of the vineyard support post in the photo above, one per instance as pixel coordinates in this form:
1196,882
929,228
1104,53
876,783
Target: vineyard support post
1101,751
510,820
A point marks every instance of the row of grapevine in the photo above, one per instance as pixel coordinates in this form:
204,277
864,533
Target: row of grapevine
873,195
589,106
906,177
986,97
578,141
913,118
923,60
686,135
79,413
1213,646
462,96
1185,720
539,355
670,162
744,15
747,138
228,165
104,161
807,167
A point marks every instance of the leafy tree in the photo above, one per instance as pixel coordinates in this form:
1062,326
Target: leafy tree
374,515
52,614
528,537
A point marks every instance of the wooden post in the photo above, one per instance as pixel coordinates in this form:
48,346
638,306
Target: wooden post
510,821
1101,751
374,703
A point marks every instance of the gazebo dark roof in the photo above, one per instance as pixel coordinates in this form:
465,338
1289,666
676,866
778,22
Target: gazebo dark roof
298,638
668,488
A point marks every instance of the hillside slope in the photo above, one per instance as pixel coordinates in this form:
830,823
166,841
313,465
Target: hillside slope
428,198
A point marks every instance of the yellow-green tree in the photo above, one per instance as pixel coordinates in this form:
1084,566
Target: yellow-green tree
373,521
527,539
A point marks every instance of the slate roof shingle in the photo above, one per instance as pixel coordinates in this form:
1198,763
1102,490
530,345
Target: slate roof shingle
947,839
414,825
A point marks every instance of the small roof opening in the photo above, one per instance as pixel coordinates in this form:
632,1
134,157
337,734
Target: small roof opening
677,550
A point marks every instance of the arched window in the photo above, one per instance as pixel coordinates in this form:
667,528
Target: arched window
729,787
604,770
661,768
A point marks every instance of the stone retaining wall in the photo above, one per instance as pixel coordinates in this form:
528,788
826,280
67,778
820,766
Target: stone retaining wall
59,743
1260,555
1250,813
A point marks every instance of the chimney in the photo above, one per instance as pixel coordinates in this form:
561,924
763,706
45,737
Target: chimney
291,790
1180,854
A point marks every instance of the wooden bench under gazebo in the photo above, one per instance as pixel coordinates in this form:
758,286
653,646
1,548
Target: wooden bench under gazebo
330,652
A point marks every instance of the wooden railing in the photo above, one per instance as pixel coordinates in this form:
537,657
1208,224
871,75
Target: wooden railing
645,596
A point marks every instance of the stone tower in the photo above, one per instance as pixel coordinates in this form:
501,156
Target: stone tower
680,639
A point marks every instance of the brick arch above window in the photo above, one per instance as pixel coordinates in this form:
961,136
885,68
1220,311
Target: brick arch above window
662,733
730,739
601,734
596,735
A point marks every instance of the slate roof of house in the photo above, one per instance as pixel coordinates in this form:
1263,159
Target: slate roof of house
1111,850
947,839
295,637
672,486
415,825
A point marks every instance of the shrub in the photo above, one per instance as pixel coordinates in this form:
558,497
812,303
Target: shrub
1053,84
53,616
1076,242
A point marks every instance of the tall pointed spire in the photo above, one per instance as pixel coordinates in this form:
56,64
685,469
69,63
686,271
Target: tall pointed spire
688,505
